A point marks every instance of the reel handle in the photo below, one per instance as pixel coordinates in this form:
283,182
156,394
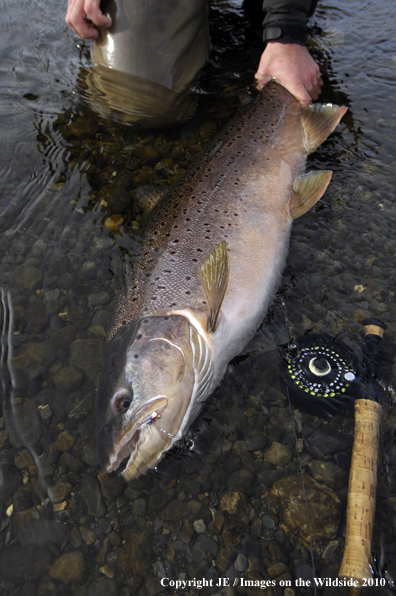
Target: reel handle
362,491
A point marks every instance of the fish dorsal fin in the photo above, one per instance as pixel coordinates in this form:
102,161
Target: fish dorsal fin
318,121
213,274
307,190
149,195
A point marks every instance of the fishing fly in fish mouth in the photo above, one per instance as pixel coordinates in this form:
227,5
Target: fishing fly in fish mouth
165,369
213,254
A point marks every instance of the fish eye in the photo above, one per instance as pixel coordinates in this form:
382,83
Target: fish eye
122,403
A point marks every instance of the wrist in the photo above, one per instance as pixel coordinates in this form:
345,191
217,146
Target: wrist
285,32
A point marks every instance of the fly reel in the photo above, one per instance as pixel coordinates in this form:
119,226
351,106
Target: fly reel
323,375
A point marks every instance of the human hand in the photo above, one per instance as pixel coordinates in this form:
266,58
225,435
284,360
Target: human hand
83,15
293,67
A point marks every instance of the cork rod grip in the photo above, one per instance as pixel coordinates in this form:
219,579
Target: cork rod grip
362,492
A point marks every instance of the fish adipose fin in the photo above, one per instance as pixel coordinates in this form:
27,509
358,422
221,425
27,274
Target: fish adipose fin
318,121
307,190
213,274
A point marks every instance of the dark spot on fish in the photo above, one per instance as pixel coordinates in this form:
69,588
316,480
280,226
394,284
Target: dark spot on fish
124,322
156,249
139,336
136,356
188,292
145,321
188,277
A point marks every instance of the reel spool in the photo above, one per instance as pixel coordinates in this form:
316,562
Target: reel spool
323,375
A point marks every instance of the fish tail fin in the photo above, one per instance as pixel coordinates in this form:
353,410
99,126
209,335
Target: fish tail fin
318,121
307,190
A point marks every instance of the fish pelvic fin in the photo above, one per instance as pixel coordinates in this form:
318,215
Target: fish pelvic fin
307,190
318,121
149,195
214,273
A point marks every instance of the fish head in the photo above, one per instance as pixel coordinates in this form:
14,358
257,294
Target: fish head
146,392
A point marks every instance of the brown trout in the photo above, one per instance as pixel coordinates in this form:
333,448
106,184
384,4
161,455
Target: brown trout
213,254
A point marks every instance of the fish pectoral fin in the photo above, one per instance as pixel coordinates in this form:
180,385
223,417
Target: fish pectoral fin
214,273
307,190
318,121
149,195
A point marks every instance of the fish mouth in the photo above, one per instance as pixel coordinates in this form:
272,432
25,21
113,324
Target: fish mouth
129,445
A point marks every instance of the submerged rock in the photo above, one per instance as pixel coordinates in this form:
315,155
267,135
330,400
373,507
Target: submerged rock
278,454
69,568
287,498
27,278
68,379
39,531
329,473
327,441
86,354
30,561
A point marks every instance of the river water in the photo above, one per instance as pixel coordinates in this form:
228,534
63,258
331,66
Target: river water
227,505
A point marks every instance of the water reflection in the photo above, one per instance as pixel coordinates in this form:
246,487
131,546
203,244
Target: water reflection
146,62
67,527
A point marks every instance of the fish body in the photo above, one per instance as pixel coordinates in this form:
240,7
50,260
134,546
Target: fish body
213,254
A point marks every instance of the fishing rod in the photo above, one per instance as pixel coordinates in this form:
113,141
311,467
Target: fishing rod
325,376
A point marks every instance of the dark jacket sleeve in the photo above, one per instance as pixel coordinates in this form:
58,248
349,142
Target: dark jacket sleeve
285,21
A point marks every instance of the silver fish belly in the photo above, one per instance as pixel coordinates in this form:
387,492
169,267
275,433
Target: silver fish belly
214,251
